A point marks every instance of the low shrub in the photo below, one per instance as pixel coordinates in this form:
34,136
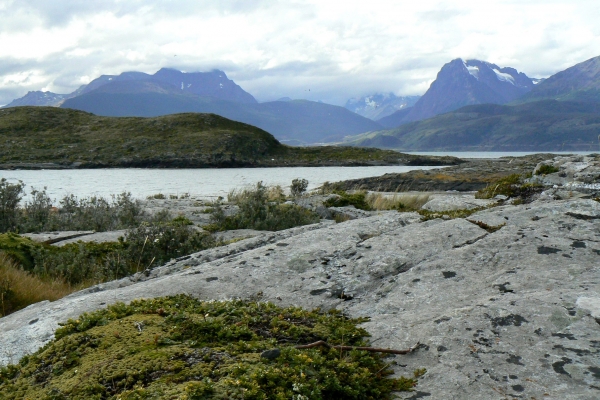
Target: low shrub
510,186
260,209
79,265
38,214
356,199
546,169
400,202
18,288
298,187
180,347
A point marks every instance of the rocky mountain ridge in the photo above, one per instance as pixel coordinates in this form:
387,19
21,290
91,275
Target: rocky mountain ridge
465,82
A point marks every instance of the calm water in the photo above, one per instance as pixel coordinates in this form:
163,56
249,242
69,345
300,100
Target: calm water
196,182
202,182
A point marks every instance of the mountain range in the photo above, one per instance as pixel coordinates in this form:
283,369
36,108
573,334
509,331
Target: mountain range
561,113
459,83
169,91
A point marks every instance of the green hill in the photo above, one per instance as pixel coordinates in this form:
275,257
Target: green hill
54,137
548,125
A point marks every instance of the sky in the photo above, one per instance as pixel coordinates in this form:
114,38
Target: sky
312,49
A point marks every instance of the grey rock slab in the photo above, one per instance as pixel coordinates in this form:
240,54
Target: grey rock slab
507,314
440,203
55,237
96,237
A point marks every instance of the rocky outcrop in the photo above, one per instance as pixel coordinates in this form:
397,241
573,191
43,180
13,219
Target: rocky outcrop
504,303
569,173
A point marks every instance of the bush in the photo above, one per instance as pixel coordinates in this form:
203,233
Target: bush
510,186
298,187
546,169
10,196
357,199
260,210
38,214
180,347
18,288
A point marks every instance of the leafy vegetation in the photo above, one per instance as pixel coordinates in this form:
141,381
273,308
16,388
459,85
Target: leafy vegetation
180,347
64,137
510,186
546,169
343,199
298,187
38,214
261,208
18,289
78,265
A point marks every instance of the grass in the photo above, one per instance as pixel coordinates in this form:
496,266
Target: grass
397,201
180,347
18,288
510,186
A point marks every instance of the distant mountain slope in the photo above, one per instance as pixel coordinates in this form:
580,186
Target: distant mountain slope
379,105
297,121
538,126
580,82
460,83
208,84
32,136
396,119
39,98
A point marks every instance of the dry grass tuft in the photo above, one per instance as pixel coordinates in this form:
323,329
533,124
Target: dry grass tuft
397,201
18,288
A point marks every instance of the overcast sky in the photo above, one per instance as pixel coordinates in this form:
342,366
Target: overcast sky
318,50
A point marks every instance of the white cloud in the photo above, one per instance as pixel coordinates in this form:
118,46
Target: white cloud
337,49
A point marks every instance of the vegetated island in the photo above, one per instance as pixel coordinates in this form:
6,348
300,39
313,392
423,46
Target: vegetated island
47,137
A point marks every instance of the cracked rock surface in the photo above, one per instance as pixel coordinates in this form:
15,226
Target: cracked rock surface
509,312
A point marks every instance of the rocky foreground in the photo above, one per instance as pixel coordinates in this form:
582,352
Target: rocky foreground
504,303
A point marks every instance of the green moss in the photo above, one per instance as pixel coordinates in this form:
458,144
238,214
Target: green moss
427,215
546,169
179,347
357,199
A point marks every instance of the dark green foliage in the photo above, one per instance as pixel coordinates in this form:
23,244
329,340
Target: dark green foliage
510,186
179,347
146,246
298,187
257,211
546,169
357,200
10,196
38,214
156,242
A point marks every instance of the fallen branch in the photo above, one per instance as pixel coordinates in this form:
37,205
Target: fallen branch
371,349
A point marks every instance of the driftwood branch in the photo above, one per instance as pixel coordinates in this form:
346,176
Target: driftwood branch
371,349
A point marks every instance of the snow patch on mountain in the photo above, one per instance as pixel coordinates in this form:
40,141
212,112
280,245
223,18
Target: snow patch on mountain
502,76
473,70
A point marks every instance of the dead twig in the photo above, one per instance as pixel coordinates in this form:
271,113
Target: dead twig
371,349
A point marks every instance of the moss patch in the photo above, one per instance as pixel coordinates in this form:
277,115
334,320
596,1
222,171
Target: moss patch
179,347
